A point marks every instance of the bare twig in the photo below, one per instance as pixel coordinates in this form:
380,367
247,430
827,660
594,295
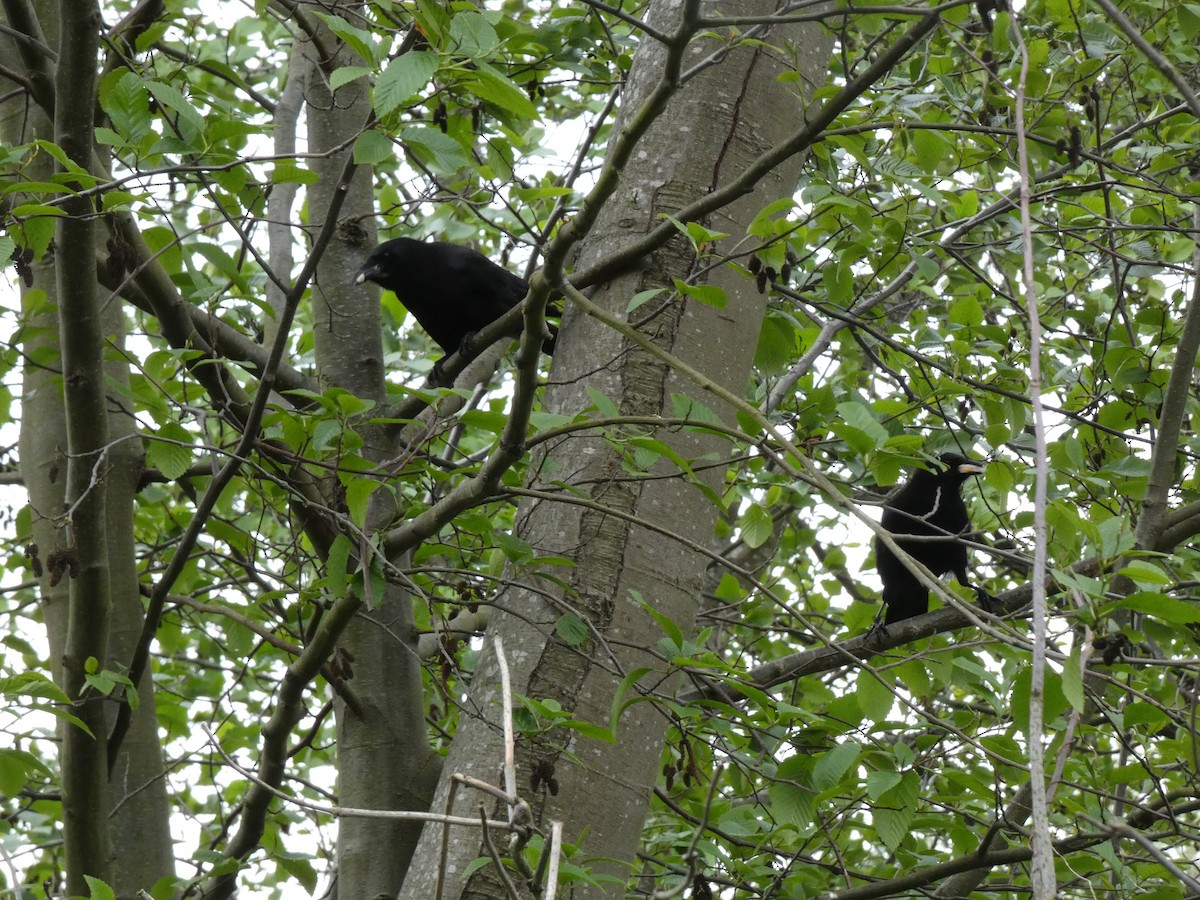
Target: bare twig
555,853
1043,878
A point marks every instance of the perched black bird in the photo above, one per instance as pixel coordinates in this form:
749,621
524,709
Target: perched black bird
451,291
929,505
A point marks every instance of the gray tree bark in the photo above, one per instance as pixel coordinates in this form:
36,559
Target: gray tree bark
133,792
384,759
719,120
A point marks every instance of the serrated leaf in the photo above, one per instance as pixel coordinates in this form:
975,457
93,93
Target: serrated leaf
793,801
473,35
32,684
372,147
124,97
440,152
829,769
874,698
756,526
966,311
879,783
402,80
488,84
363,42
189,122
572,629
171,454
347,74
98,890
892,825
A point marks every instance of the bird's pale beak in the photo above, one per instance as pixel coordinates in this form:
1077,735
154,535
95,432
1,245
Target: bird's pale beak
971,468
366,273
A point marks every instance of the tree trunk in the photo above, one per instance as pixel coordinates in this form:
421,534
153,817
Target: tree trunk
134,806
384,759
718,121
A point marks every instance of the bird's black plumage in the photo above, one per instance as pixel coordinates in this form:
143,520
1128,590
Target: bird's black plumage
930,505
451,291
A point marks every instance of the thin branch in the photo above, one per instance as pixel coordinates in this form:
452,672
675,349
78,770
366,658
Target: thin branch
638,25
1043,877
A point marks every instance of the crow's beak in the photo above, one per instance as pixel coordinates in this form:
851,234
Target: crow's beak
366,273
971,468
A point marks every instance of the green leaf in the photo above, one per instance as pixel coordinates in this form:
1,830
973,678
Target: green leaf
1166,609
1072,680
402,80
572,629
439,151
298,867
472,35
604,407
673,632
358,498
1144,572
830,767
98,890
513,547
17,769
189,122
1189,19
124,97
172,452
793,801
34,226
346,74
880,782
488,84
892,825
372,147
966,311
859,428
931,148
337,563
32,684
874,698
642,297
756,526
1055,702
286,171
234,537
361,41
706,293
620,703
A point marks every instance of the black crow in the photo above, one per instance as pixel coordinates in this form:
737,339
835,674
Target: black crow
929,505
451,291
